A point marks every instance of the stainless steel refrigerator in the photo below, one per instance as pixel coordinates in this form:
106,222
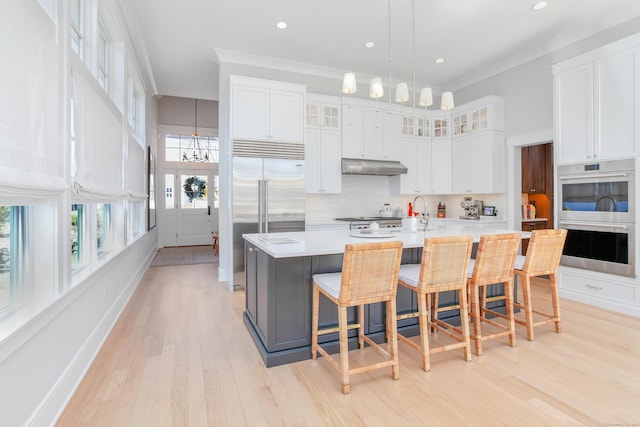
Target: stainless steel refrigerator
268,197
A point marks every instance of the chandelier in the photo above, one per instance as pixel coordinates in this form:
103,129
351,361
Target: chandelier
196,151
376,89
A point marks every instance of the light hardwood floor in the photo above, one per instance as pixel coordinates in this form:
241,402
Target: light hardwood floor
180,355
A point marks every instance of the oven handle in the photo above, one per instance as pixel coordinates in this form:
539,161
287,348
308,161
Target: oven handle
595,175
596,224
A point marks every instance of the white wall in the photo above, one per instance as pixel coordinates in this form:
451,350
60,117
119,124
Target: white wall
44,359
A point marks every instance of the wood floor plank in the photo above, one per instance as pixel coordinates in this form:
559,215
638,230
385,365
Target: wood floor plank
180,355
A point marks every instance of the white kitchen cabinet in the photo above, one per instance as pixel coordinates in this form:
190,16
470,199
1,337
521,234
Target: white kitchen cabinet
478,163
595,106
263,110
441,166
416,156
418,125
323,151
369,133
611,292
482,114
322,112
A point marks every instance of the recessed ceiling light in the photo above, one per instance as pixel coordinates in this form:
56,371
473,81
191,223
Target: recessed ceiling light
281,25
540,5
369,44
439,61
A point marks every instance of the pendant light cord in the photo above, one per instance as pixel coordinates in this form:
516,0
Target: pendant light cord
389,47
413,54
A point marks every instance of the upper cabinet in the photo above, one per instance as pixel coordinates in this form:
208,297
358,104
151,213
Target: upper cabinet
595,104
478,163
534,168
369,133
323,165
263,110
483,114
416,156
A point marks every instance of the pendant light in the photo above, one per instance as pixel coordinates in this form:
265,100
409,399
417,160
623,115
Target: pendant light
195,151
376,88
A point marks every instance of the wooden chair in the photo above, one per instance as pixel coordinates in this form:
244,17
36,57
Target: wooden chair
542,259
493,264
369,275
443,267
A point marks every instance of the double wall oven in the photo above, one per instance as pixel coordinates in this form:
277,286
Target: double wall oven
597,206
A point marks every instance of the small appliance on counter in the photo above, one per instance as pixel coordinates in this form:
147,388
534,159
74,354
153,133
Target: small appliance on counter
386,211
472,208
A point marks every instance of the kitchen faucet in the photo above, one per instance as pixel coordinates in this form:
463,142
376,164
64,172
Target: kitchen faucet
424,219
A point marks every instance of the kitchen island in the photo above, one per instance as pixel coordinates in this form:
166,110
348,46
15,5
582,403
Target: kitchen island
279,267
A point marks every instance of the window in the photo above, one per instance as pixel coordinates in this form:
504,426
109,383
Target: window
135,105
136,219
216,192
177,145
169,192
102,54
13,235
78,233
104,228
76,27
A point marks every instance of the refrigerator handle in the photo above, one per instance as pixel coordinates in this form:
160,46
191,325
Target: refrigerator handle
266,206
260,204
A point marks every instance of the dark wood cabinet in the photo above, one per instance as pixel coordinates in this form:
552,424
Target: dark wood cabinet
534,168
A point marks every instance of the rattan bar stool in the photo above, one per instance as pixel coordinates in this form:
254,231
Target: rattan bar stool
542,259
443,267
493,264
369,275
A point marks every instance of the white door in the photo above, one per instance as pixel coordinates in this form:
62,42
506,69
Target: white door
189,215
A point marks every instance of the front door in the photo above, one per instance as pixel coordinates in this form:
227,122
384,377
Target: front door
188,217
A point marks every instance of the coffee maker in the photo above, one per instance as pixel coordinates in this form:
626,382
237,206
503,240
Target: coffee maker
472,208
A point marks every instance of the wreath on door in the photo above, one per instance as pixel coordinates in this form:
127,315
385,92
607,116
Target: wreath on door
194,188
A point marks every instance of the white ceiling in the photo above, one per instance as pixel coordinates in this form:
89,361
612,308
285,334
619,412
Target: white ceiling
476,37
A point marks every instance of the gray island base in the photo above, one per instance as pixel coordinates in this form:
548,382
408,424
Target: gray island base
278,290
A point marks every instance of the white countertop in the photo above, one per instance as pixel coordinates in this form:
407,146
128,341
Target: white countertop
309,243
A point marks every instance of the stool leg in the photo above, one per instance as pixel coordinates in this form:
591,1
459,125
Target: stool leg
423,317
393,344
508,293
475,319
361,327
555,299
528,310
314,322
344,348
464,323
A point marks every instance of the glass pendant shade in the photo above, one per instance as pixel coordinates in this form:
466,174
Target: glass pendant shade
376,90
349,83
426,97
446,103
402,92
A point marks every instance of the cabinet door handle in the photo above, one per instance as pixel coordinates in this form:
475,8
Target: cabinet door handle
598,288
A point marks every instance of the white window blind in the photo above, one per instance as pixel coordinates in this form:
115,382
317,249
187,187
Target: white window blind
99,147
136,171
29,111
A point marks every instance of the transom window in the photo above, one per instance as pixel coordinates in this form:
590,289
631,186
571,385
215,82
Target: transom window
177,145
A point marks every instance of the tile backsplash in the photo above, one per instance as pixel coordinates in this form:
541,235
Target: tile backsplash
364,195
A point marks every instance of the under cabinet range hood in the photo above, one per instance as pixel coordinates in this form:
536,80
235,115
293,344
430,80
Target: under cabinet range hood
372,167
